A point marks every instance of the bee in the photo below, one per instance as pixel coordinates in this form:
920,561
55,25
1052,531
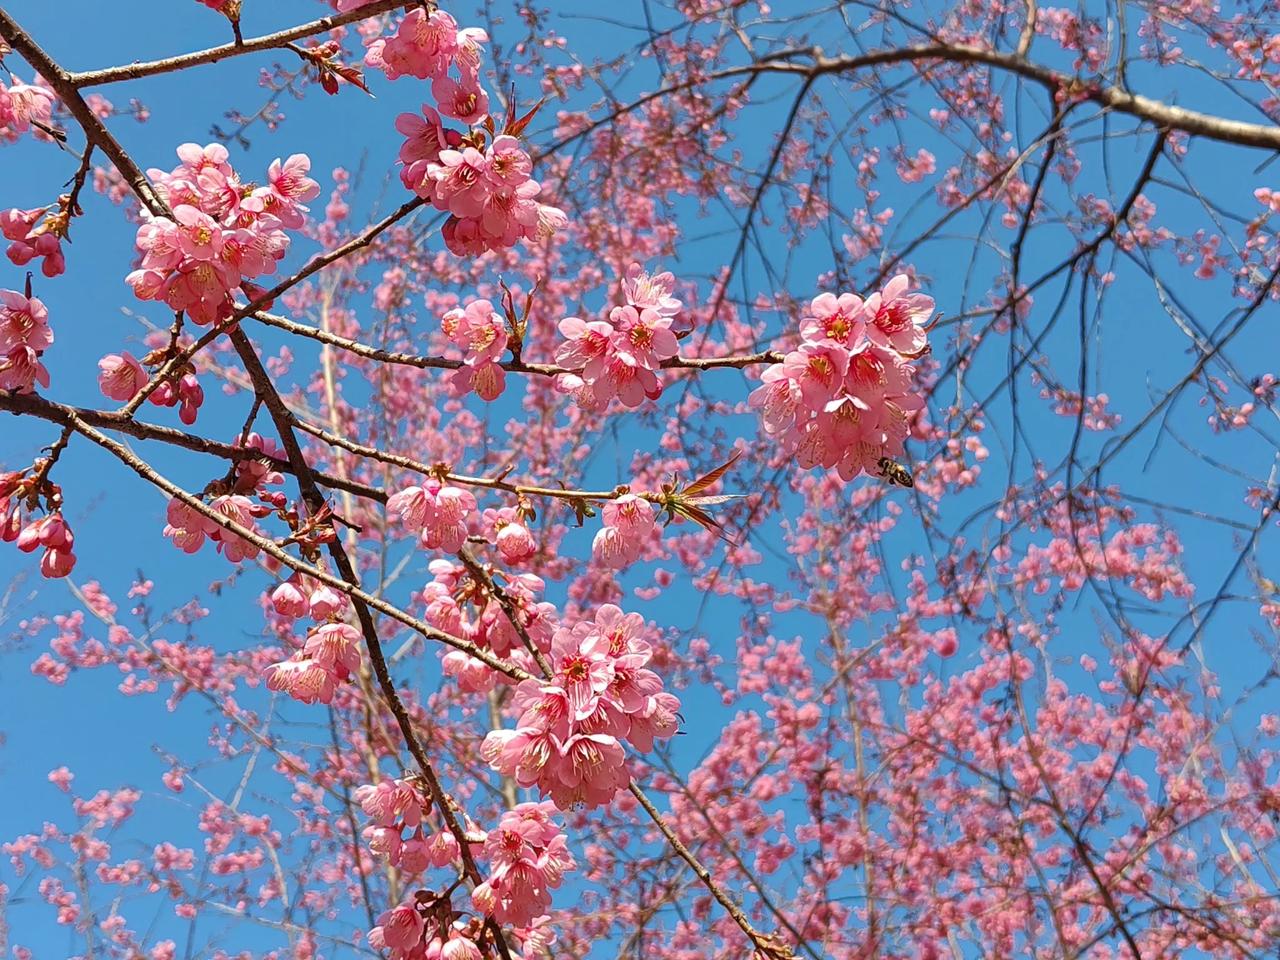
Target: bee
894,472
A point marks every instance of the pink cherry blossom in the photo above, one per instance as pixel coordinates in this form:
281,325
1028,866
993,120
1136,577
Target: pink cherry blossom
651,292
121,376
437,511
628,522
896,318
643,335
423,46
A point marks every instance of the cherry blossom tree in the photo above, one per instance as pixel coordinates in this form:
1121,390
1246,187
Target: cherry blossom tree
748,480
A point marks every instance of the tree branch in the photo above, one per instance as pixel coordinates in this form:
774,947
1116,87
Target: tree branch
135,71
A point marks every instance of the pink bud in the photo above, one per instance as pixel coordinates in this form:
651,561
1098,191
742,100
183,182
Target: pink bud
485,898
325,602
402,929
10,522
288,601
57,563
55,533
516,543
29,538
461,948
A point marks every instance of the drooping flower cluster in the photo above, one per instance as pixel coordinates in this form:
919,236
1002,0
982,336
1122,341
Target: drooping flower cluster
481,333
628,522
223,232
843,399
426,45
183,392
619,357
252,476
485,187
462,606
21,106
49,532
436,511
330,655
426,927
507,528
121,376
35,233
397,807
24,336
528,855
568,739
488,191
301,596
188,528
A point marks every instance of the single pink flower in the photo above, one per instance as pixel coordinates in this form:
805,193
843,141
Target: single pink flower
121,376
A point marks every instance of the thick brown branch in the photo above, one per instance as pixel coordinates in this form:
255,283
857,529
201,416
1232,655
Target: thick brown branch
273,550
36,406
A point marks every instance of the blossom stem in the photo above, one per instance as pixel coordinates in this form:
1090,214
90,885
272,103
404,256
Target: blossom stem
136,71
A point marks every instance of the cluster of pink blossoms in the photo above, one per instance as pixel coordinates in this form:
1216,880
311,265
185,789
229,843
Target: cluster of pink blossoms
486,188
426,927
628,522
488,191
24,336
121,376
330,655
52,535
301,596
49,532
397,806
21,106
619,357
481,333
35,233
188,528
331,652
462,607
222,234
568,740
425,45
843,399
507,530
528,857
423,928
437,512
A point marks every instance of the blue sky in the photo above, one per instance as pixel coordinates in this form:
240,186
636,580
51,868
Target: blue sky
107,739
